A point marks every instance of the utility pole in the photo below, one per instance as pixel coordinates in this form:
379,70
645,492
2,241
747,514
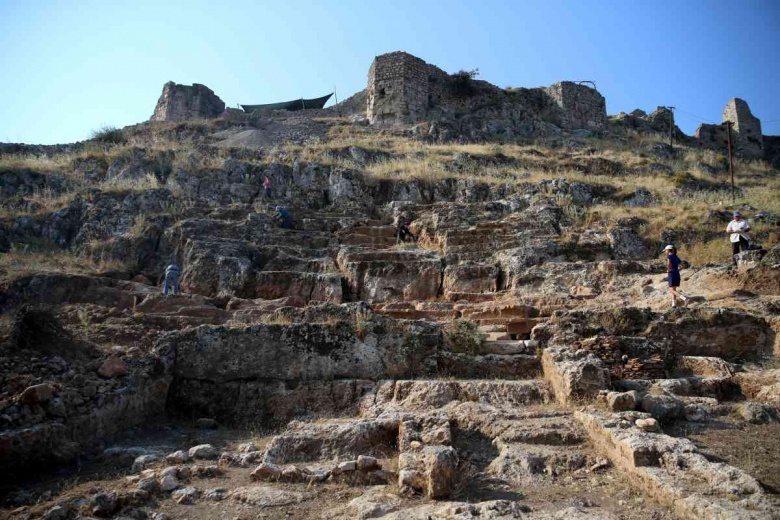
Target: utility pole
671,127
731,160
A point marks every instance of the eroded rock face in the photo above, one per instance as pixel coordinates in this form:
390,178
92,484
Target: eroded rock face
725,333
297,352
181,102
429,470
574,374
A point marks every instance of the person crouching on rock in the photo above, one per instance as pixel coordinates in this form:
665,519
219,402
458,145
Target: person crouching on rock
267,188
171,279
402,232
284,218
673,274
737,231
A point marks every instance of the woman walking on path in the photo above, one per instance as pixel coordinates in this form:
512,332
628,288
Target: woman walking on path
673,274
267,188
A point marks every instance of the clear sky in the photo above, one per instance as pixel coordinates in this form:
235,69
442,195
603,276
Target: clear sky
69,67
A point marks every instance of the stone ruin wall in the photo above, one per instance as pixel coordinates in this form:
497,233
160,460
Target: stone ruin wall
580,106
401,88
747,128
182,102
746,134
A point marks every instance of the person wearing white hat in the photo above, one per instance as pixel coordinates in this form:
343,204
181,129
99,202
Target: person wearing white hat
673,275
737,231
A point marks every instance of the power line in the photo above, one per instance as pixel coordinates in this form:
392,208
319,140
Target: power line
704,120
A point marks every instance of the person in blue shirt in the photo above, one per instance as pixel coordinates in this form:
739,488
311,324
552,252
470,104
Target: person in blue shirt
673,274
284,218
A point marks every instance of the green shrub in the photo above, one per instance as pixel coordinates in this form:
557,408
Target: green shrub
108,135
462,83
464,336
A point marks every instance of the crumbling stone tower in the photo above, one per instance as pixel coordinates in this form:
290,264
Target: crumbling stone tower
400,89
580,106
747,138
182,102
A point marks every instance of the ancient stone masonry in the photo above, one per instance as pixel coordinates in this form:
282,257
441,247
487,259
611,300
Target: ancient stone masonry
405,89
747,128
746,135
580,106
401,88
180,102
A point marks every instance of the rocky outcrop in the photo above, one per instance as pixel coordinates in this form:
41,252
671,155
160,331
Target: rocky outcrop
181,102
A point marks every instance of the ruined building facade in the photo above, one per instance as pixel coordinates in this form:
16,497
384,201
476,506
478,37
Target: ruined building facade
404,89
182,102
746,136
401,88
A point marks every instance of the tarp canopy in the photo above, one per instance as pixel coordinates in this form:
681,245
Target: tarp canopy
298,104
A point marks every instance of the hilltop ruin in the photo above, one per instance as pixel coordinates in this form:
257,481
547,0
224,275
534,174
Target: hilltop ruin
514,358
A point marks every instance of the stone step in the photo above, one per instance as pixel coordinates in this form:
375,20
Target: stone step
367,240
454,296
499,366
507,347
427,394
497,335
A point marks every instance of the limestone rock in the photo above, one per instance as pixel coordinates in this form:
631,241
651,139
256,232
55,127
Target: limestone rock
142,462
186,495
113,367
266,471
430,470
36,394
325,441
757,413
374,503
647,425
622,401
663,406
182,102
177,457
266,496
574,374
203,451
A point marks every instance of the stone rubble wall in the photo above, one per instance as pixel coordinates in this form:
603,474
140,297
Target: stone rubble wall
182,102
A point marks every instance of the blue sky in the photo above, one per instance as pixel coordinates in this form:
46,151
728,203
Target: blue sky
69,67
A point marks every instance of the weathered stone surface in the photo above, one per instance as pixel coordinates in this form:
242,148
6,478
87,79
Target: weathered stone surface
518,462
622,401
36,394
729,334
391,275
574,374
182,102
332,440
266,496
298,352
429,470
374,503
203,451
114,366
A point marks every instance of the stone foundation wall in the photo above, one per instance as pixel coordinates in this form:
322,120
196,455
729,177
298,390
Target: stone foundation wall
182,102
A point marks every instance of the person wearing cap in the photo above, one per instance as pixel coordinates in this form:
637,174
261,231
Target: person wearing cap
737,231
673,275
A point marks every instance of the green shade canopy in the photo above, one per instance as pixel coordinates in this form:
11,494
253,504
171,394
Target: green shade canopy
298,104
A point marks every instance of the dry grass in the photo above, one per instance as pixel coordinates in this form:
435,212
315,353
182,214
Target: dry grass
25,260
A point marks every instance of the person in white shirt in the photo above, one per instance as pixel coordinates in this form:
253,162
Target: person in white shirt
737,231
